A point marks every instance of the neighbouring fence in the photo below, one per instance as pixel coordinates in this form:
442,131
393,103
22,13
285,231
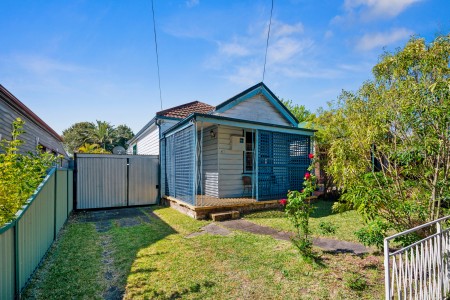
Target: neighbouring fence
25,241
420,270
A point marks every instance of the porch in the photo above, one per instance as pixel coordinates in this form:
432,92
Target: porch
209,205
213,163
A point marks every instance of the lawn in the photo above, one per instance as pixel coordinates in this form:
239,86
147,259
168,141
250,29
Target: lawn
157,260
345,223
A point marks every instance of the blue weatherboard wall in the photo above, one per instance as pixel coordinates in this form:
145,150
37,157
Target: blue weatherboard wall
282,163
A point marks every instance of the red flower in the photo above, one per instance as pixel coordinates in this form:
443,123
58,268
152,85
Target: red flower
311,156
283,202
302,191
307,175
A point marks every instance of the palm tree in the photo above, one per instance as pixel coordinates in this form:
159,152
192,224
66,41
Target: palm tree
103,134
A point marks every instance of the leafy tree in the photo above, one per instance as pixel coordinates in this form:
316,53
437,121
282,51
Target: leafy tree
122,134
299,111
389,146
92,148
102,134
78,134
20,174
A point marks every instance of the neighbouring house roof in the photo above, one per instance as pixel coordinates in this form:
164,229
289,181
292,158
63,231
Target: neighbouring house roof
184,110
24,110
259,88
177,113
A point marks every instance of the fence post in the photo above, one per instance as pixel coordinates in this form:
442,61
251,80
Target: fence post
441,260
67,192
16,261
128,181
386,270
54,206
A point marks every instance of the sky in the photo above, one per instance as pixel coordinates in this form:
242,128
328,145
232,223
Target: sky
87,60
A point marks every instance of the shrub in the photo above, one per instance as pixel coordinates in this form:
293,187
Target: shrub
373,233
20,174
298,210
356,282
327,227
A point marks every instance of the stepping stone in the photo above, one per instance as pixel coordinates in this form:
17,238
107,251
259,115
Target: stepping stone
103,226
211,229
330,245
128,222
221,216
337,246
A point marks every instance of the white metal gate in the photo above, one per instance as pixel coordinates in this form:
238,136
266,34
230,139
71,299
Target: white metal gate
420,270
104,181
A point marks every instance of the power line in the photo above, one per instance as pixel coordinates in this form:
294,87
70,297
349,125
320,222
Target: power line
157,56
267,42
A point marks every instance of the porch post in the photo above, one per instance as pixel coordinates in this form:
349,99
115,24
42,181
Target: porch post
256,164
194,146
201,164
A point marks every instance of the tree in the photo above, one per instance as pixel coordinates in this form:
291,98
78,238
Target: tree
103,134
86,134
92,148
122,134
299,111
390,141
20,174
78,134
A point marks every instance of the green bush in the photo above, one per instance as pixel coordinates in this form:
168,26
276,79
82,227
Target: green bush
20,174
356,282
327,227
373,234
298,209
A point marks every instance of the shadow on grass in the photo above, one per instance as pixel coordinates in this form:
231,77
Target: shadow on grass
128,238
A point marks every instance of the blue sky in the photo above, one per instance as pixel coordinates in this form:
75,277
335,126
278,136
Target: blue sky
72,61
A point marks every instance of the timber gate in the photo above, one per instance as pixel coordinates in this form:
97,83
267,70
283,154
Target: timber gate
104,181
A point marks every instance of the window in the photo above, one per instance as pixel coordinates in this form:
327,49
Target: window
248,153
134,149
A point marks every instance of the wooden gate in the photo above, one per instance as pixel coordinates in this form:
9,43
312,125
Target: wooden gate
104,181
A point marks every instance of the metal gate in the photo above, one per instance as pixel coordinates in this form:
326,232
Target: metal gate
116,180
422,269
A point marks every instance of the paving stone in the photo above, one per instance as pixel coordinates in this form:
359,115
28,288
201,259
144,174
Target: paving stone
211,228
330,245
128,222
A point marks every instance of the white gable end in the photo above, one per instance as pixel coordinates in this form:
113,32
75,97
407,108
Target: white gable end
256,108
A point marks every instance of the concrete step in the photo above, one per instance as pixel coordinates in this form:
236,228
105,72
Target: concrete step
226,215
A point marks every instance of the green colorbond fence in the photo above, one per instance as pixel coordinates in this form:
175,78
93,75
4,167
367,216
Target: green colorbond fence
24,242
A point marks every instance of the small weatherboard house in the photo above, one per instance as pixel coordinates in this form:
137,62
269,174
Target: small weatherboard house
248,150
37,132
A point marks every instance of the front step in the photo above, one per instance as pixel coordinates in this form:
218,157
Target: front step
222,216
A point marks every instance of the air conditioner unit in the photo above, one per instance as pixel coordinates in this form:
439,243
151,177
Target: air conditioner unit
237,143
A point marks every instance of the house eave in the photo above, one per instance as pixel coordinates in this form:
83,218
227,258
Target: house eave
221,120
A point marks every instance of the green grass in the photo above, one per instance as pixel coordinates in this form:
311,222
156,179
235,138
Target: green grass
158,261
347,223
72,269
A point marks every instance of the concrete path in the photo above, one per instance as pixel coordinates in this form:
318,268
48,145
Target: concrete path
324,243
